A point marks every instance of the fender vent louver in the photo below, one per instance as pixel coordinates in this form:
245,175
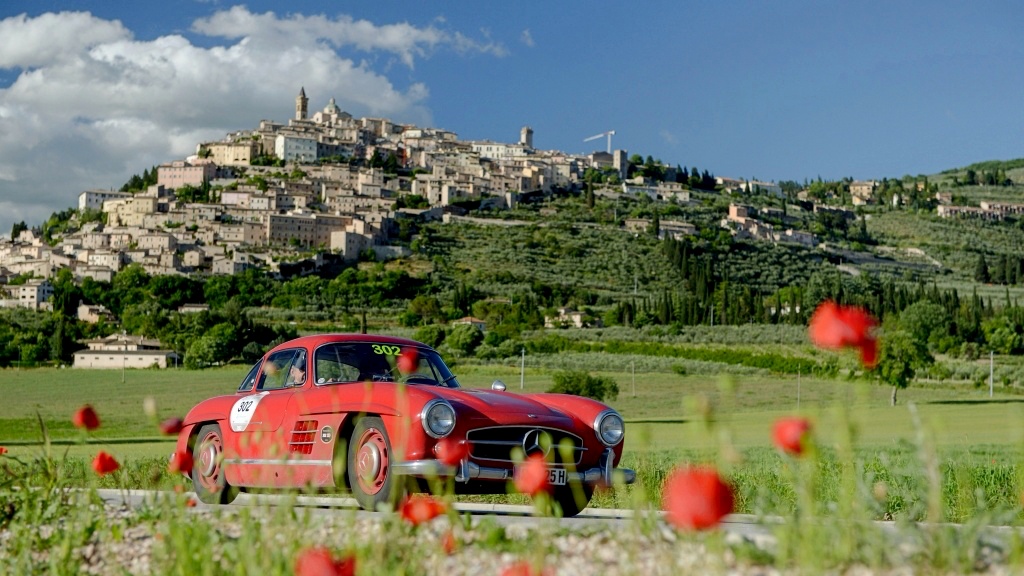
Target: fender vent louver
303,437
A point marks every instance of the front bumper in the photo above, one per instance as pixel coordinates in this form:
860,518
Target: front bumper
604,473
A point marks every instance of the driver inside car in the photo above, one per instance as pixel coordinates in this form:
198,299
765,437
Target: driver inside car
297,372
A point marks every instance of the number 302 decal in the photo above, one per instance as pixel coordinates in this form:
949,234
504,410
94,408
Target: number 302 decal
245,405
385,349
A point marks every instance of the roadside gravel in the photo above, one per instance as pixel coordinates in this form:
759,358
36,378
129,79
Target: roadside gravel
138,547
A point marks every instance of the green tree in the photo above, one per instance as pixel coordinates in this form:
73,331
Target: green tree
580,383
981,270
18,228
431,335
926,322
900,357
1001,335
655,226
465,338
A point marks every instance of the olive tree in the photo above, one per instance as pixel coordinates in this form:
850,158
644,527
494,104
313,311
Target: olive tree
900,356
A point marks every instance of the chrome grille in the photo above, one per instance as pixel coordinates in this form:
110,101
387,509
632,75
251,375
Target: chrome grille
496,444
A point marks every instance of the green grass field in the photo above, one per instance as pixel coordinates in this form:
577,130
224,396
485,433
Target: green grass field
663,410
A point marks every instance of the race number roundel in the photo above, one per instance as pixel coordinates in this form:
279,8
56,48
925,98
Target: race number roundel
242,411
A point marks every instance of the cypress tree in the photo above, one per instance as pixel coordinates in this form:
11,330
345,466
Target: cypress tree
981,270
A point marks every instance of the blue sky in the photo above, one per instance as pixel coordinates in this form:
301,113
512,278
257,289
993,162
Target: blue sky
94,91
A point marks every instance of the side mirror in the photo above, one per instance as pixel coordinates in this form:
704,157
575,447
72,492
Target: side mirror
498,385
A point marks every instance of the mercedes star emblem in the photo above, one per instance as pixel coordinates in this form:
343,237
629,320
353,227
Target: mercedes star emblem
532,444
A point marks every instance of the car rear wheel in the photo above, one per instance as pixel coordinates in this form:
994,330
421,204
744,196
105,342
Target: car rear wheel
573,498
369,465
208,467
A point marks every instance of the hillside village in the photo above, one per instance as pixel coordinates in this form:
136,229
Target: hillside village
256,213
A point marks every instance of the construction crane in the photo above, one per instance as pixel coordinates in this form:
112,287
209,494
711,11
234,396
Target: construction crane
609,134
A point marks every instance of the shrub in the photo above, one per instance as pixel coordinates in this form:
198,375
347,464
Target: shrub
580,383
432,335
465,338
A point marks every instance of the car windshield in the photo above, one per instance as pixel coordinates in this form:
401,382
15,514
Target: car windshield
380,362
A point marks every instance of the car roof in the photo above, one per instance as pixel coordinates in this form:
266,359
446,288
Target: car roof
314,340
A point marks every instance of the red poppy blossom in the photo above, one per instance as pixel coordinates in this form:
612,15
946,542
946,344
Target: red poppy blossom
834,326
790,434
419,508
696,498
451,451
524,568
181,463
190,503
86,418
320,562
3,450
532,477
104,463
408,361
449,543
171,426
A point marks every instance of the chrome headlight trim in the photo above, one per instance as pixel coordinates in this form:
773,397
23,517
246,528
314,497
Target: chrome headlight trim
616,431
433,412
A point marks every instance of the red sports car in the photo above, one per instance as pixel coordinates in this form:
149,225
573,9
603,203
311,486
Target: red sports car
377,415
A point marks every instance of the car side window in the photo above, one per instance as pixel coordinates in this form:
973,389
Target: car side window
250,379
281,369
336,363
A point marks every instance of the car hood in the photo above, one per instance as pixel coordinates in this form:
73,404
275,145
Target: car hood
507,408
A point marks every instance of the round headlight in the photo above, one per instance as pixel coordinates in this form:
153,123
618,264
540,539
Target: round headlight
438,418
609,427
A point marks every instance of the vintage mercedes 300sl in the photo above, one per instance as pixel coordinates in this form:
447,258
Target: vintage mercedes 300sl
374,415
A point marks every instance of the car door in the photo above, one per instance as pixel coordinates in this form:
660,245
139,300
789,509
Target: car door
257,416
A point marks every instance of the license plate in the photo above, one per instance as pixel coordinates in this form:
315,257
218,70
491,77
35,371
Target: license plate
556,476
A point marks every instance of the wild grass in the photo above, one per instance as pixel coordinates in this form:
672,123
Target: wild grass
946,453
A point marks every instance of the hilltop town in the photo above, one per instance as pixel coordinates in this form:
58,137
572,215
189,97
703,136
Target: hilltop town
329,186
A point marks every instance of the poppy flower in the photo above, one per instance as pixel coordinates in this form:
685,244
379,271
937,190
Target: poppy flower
696,498
320,562
451,451
86,418
171,426
408,361
834,326
449,543
524,568
532,477
3,450
190,503
790,434
181,463
104,463
419,508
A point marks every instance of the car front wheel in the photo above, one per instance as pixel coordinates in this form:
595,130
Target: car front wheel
369,465
573,498
208,467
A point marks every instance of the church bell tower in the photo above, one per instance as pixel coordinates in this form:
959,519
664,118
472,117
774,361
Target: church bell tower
301,105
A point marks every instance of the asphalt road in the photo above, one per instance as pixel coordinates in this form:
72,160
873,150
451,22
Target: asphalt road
745,526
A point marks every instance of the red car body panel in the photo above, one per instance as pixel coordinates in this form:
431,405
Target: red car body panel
289,437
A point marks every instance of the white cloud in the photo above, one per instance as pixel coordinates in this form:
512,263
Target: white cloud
28,42
527,38
669,137
91,105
